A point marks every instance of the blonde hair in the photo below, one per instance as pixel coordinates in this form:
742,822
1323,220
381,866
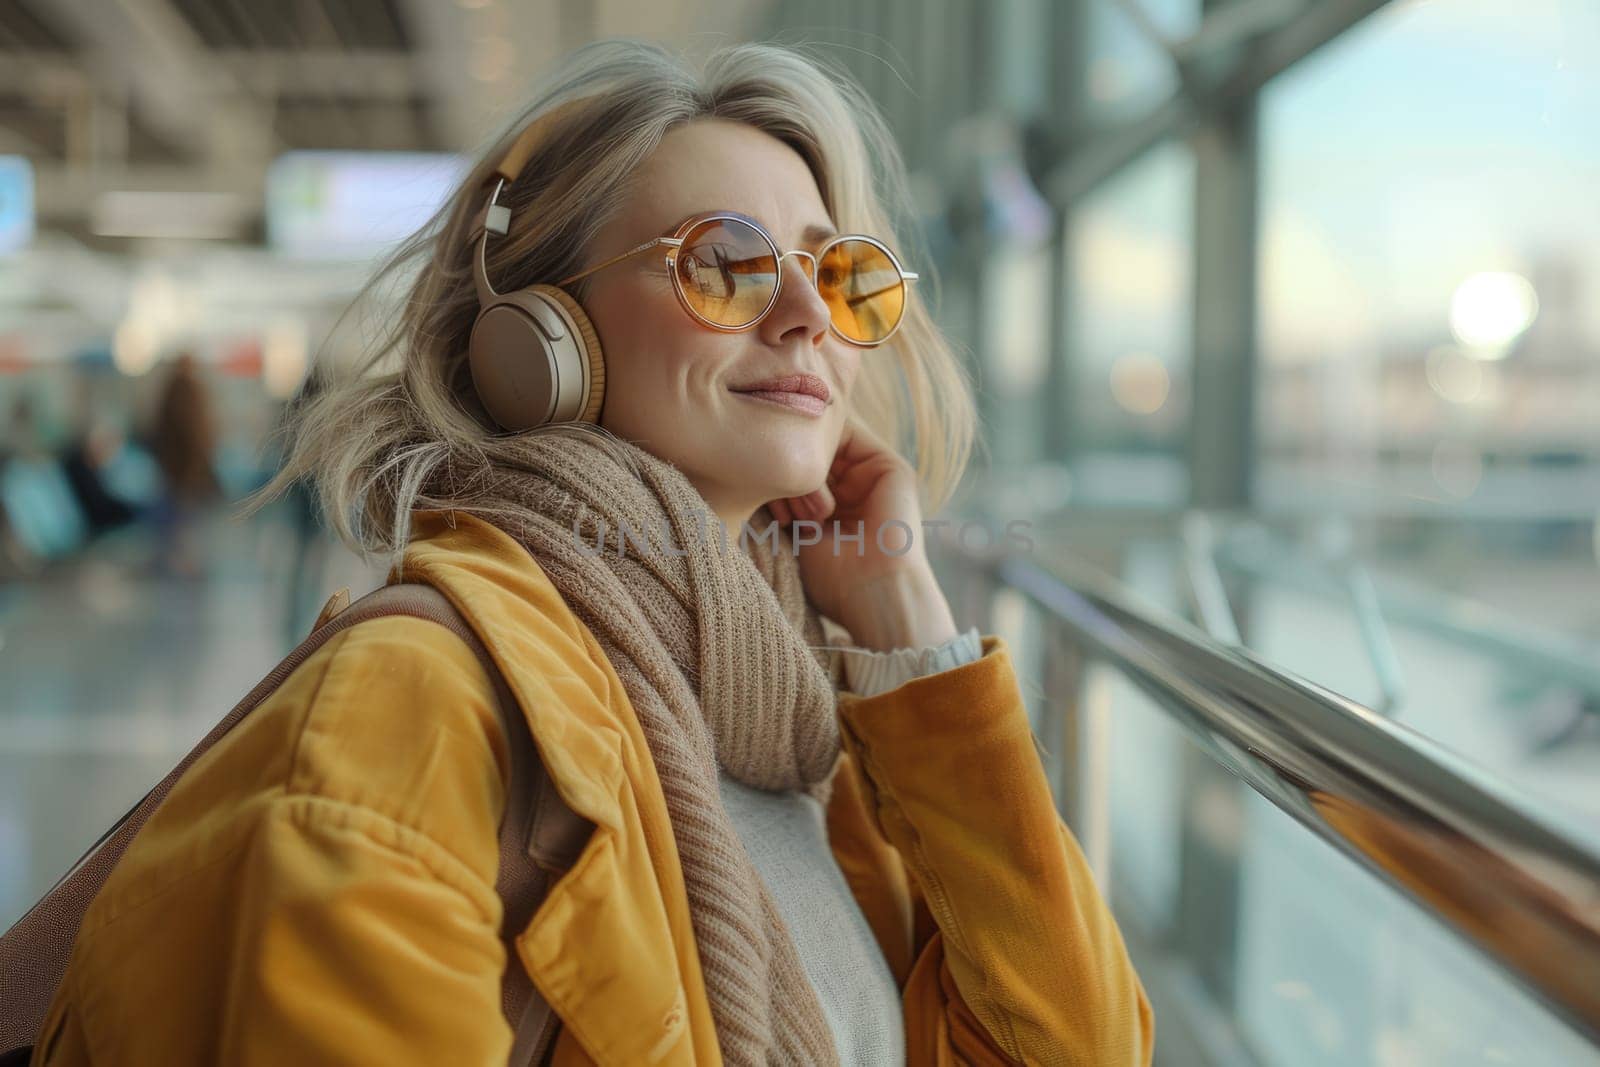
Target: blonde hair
368,441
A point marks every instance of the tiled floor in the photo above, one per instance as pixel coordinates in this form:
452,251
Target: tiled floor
110,671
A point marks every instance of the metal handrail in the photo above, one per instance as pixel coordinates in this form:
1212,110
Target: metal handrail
1424,821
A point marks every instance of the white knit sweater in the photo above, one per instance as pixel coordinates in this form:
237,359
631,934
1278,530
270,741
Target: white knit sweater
787,838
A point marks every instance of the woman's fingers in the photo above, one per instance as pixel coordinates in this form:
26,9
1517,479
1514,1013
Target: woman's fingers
815,505
823,502
855,483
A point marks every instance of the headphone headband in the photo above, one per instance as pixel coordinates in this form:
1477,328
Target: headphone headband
496,218
521,150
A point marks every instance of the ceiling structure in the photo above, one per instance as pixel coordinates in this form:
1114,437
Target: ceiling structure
199,96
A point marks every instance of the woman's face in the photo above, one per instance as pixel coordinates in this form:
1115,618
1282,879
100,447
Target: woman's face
671,383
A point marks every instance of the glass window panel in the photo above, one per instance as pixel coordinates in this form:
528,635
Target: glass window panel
1430,342
1129,329
1430,285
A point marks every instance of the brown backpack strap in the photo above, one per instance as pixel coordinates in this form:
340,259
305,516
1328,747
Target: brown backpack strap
539,838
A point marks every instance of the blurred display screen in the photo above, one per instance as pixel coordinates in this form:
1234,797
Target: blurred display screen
16,203
354,205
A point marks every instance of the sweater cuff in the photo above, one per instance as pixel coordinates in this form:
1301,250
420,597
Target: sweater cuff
869,672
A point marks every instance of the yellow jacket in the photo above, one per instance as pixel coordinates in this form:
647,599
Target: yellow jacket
319,887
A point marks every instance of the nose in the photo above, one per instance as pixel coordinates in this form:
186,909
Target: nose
799,310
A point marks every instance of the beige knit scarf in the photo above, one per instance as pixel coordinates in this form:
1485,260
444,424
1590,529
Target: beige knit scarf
724,662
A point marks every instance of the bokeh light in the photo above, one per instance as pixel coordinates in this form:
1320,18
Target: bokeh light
1490,310
1140,383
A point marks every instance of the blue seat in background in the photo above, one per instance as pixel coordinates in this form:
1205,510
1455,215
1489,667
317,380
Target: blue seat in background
39,502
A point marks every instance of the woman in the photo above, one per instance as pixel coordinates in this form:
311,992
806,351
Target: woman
811,846
183,438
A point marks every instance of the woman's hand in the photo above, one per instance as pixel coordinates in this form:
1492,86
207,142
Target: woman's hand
878,585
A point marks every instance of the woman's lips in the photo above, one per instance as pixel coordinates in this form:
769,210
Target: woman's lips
801,402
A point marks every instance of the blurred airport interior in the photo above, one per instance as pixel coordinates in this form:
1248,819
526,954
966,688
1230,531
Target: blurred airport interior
1285,316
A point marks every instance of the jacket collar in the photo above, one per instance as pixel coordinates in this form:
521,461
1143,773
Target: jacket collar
526,625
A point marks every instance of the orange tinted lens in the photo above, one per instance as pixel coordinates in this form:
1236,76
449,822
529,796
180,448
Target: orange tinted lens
727,272
863,289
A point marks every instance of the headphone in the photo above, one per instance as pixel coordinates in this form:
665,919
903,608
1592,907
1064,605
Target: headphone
535,356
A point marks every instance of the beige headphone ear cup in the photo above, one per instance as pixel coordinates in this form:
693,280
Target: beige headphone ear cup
591,348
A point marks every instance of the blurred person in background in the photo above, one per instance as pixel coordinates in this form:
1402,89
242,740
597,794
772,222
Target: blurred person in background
183,439
91,450
819,831
95,441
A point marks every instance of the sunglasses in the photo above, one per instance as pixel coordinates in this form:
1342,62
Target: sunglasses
727,272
